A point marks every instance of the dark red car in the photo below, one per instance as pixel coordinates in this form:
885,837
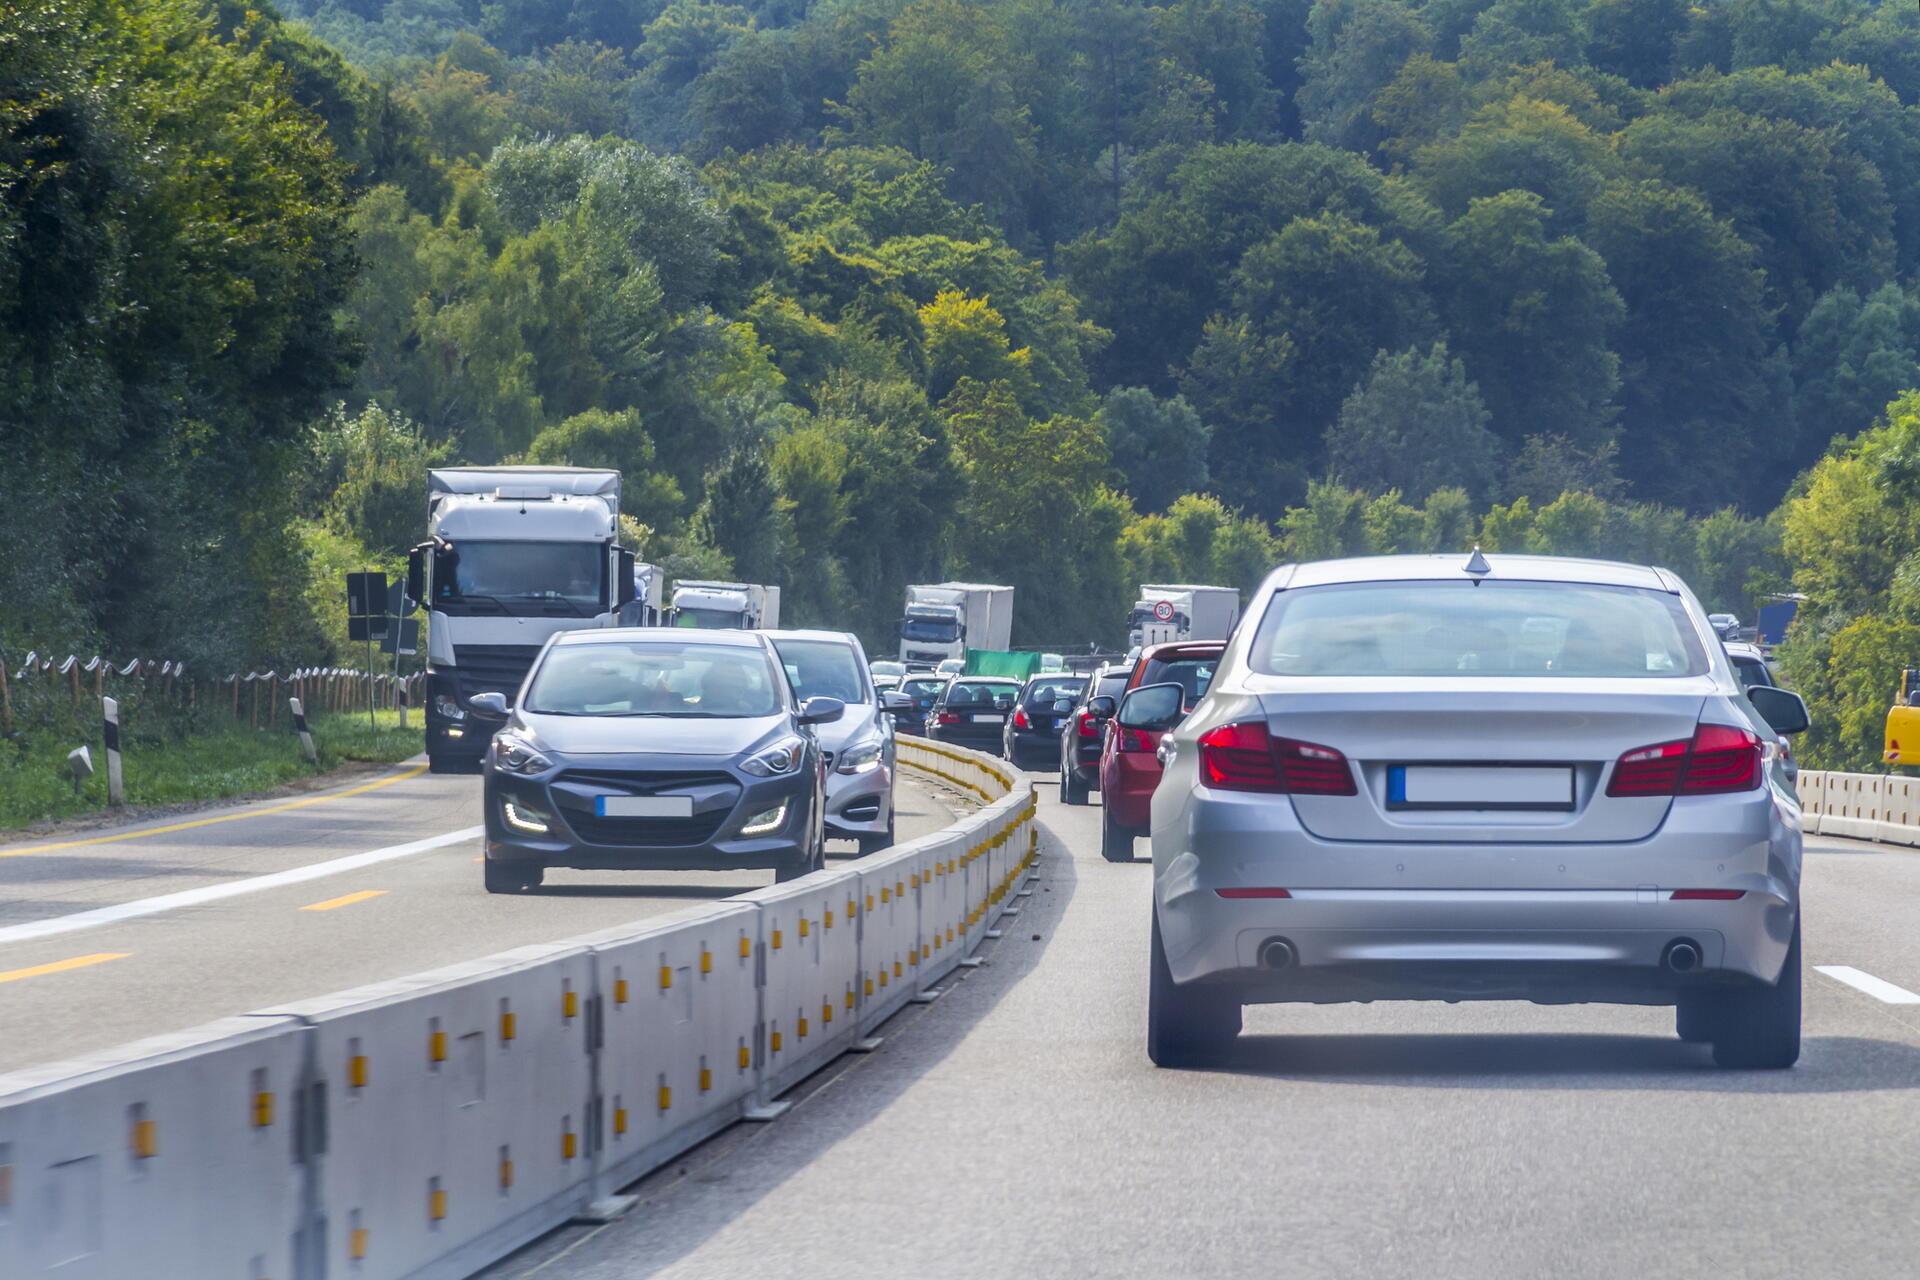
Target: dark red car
1129,769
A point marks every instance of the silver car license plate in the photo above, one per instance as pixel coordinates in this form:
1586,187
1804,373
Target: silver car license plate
643,806
1414,786
989,719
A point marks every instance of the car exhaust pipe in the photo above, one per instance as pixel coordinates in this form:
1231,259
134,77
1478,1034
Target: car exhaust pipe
1682,956
1276,953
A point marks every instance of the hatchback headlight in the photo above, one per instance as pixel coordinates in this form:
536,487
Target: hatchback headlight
861,756
513,754
778,760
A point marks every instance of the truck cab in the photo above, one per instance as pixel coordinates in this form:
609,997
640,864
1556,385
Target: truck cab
738,606
515,555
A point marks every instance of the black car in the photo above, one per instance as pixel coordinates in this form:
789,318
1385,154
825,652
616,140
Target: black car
637,750
921,692
1080,736
1034,726
972,711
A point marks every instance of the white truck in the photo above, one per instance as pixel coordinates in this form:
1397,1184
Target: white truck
741,606
1166,613
944,619
514,554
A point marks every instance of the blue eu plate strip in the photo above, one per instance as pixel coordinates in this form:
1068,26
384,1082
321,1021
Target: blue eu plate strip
1397,784
599,806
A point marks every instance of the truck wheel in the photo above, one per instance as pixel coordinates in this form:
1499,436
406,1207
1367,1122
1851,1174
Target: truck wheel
1116,842
513,877
438,764
1186,1026
1759,1027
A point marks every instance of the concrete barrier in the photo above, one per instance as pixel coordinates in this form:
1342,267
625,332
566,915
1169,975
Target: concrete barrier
420,1129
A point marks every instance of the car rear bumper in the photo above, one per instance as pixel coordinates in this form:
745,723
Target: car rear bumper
1548,922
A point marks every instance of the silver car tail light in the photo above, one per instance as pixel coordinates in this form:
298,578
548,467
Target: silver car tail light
1246,757
1718,759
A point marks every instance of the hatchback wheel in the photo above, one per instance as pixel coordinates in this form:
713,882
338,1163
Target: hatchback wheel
1073,789
1116,842
512,877
1759,1027
875,843
1186,1026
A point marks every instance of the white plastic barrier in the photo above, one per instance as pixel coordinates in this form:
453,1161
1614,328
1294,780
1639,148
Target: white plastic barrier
1861,806
149,1159
420,1129
679,1014
457,1104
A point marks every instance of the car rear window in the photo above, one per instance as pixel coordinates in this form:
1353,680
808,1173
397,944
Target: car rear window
1059,687
1490,628
964,693
1192,674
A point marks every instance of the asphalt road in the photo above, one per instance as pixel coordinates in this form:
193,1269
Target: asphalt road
1016,1123
120,934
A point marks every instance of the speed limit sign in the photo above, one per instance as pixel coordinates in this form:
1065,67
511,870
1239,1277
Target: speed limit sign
1163,611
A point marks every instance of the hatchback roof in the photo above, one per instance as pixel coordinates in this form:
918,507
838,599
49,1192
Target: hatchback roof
1440,567
662,635
844,637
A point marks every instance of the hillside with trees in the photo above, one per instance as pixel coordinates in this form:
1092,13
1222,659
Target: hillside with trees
863,292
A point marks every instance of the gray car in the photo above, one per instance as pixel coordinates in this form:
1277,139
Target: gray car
859,745
1476,778
655,749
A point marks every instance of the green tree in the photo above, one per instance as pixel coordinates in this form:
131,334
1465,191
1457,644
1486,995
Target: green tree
1851,356
1414,424
367,475
741,516
1158,446
1355,49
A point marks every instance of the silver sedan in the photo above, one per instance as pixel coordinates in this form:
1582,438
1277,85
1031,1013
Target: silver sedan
1476,778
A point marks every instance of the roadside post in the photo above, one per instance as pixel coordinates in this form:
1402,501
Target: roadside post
402,638
367,620
300,727
116,790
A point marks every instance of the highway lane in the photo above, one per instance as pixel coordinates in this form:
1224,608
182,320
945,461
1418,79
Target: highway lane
1016,1122
84,989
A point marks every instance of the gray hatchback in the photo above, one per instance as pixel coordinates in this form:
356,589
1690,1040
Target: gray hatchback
655,749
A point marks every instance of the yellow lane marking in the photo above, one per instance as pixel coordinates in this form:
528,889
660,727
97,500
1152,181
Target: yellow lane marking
414,772
344,900
61,966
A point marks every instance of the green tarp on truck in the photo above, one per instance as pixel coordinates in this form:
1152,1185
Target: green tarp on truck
1002,662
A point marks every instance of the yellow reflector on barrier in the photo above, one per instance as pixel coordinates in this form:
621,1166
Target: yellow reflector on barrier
746,1057
262,1109
568,1145
666,976
886,895
869,992
506,1026
436,1204
826,1011
896,968
804,926
850,992
775,1046
869,902
706,1080
666,1096
437,1046
569,1004
357,1244
619,1120
706,961
776,939
506,1173
619,990
145,1140
829,917
803,1028
746,948
357,1071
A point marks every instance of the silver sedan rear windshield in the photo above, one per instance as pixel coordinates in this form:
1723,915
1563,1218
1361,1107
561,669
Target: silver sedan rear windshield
1458,628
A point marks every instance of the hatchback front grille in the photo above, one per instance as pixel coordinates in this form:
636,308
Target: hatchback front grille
648,833
714,796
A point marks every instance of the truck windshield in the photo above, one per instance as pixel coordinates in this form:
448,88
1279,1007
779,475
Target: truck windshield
521,578
686,616
931,630
822,669
686,681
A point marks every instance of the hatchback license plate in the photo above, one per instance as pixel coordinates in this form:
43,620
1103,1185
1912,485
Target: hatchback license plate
643,806
989,719
1414,786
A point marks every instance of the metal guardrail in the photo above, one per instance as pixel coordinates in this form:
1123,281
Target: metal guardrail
424,1127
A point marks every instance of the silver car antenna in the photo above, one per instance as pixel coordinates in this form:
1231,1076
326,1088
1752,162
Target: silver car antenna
1477,564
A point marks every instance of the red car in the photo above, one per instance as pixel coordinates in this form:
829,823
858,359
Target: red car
1129,769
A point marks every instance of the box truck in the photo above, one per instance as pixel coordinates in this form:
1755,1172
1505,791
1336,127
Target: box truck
740,606
1166,613
944,619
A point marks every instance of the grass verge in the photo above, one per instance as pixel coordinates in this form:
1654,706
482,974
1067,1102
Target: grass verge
36,784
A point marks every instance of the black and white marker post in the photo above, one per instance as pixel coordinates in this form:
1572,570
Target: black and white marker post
300,727
116,791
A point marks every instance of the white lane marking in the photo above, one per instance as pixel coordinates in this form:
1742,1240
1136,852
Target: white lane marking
1878,988
230,889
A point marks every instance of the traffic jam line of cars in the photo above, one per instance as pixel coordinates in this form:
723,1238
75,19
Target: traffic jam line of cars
1445,778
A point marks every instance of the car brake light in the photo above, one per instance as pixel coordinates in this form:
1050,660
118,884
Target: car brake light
1245,757
949,717
1089,728
1253,893
1707,895
1020,719
1718,758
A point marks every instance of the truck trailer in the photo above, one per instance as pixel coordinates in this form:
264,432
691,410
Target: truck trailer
739,606
513,555
944,619
1165,613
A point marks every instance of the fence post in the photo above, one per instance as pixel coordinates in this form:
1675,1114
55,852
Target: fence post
273,697
116,794
300,727
6,699
400,692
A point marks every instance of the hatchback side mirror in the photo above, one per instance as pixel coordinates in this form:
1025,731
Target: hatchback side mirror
493,704
892,700
821,710
1100,707
1154,707
1784,709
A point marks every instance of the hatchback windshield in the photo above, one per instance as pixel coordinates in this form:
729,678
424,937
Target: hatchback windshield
1492,628
689,681
822,669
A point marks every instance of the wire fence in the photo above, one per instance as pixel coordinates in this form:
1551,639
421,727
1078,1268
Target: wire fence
44,691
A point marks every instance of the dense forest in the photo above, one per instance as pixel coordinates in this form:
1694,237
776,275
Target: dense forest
1069,295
